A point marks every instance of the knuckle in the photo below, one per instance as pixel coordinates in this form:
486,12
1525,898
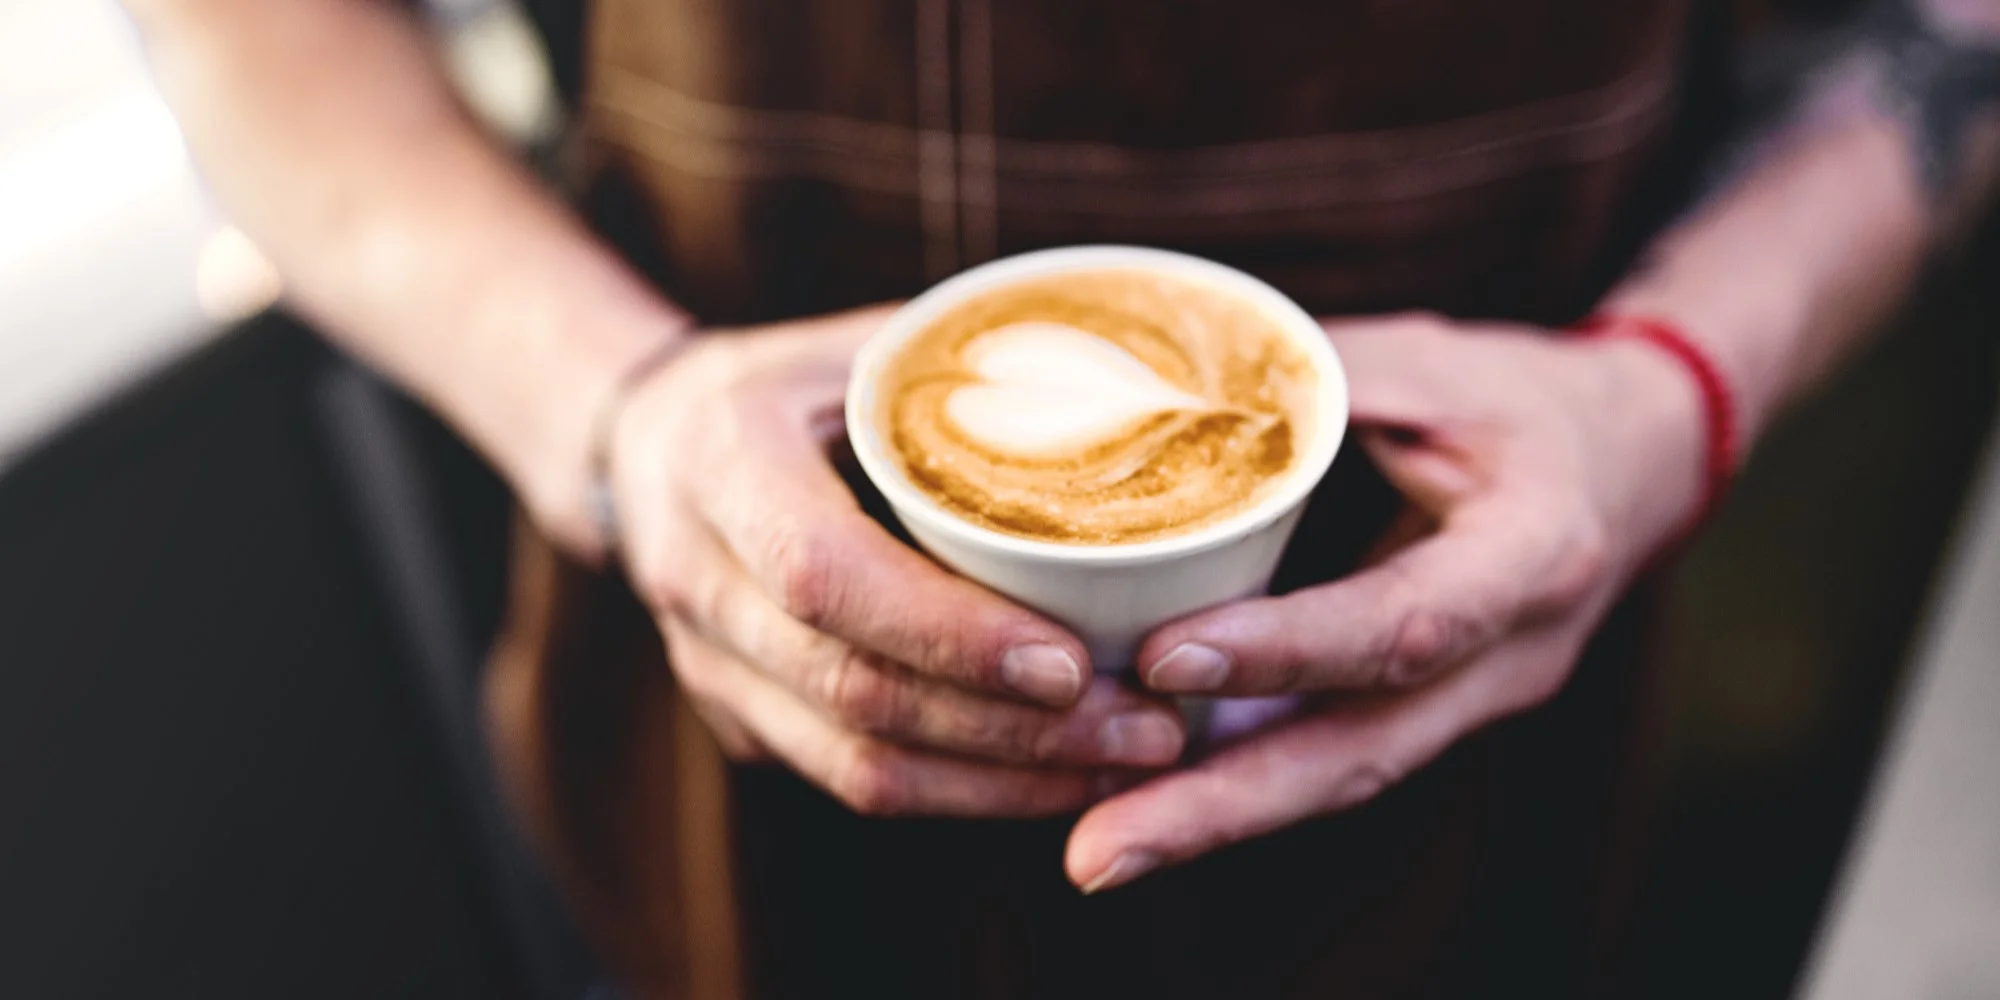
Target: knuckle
1289,671
1581,567
730,734
661,581
805,570
736,746
951,649
861,696
1042,743
1543,684
1367,781
871,781
671,580
1282,656
1004,732
704,599
1421,640
665,593
1026,738
694,671
1542,689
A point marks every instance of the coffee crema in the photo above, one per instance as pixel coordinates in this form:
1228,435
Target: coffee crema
1097,407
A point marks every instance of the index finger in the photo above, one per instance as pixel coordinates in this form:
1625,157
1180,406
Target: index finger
796,528
1334,759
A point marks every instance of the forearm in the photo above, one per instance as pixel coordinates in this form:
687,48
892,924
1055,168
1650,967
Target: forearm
1798,263
1809,250
329,134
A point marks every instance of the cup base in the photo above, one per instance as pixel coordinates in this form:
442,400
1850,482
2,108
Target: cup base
1214,721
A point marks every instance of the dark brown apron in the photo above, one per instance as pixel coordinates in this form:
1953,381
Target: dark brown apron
764,159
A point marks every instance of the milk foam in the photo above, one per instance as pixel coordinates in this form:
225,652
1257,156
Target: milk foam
1049,388
1096,407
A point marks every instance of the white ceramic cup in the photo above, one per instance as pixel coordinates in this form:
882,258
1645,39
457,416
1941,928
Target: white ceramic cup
1110,595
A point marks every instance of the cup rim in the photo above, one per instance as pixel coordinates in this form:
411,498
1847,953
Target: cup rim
1331,411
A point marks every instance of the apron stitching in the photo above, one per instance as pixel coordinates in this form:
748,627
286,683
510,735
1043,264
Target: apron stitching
1637,99
639,95
980,202
700,157
936,171
1137,195
1464,170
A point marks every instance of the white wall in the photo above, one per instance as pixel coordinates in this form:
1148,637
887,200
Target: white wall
112,260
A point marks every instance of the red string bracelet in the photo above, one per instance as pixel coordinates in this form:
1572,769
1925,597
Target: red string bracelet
1718,402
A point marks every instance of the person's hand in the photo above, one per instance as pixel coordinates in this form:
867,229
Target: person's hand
804,631
1540,475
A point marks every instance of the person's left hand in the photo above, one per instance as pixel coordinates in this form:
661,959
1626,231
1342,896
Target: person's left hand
1541,473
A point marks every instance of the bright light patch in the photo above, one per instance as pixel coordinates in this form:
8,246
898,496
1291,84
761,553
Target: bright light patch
233,280
87,171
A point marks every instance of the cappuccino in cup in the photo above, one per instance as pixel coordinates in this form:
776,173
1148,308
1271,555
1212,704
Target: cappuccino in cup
1097,407
1114,436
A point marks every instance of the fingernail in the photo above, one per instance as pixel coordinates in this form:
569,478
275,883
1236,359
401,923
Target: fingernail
1123,869
1042,672
1140,738
1188,668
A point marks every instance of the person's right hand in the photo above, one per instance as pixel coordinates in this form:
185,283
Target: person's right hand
803,630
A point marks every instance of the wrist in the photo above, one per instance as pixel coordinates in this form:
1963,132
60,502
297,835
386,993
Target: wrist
557,475
1656,443
1775,278
1734,333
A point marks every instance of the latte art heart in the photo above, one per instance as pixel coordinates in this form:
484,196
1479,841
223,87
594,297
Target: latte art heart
1096,407
1045,389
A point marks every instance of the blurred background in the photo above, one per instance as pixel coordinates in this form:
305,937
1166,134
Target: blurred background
225,771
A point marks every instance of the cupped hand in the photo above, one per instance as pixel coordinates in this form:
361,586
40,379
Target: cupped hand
804,631
1540,474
